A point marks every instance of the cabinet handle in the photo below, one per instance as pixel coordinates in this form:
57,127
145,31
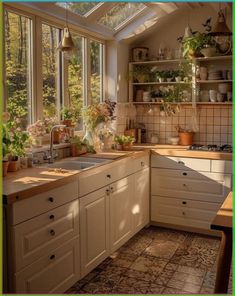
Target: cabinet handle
51,217
185,174
108,176
184,202
183,213
52,257
52,232
51,199
142,163
107,191
180,162
184,185
111,189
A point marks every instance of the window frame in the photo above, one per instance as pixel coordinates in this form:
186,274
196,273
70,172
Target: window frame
37,82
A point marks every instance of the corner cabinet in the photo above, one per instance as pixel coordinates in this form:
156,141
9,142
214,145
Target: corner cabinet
145,82
188,191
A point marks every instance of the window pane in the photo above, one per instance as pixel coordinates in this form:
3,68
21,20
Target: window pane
18,67
81,8
120,13
76,76
50,71
96,80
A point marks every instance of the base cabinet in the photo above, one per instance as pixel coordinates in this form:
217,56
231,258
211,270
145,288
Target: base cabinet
54,273
94,229
121,226
140,204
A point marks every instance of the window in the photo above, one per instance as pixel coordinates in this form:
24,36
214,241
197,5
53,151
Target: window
76,75
121,13
39,79
82,8
18,72
96,68
51,64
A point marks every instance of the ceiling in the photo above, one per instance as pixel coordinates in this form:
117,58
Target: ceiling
118,20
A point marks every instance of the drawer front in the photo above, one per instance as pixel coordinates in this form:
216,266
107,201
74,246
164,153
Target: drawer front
222,166
43,202
180,163
44,233
142,163
55,272
88,184
168,212
211,187
159,201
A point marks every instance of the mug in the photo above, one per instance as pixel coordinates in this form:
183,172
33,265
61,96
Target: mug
213,95
229,96
220,97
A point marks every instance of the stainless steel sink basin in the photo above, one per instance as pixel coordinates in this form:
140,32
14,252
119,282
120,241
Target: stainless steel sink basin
76,163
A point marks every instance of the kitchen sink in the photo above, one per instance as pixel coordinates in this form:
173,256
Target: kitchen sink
76,163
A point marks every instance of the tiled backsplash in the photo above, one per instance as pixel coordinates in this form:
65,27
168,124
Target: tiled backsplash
214,123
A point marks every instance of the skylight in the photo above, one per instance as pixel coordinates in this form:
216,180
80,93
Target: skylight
81,8
117,16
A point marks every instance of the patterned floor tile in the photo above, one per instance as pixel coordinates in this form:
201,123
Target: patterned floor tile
162,249
156,261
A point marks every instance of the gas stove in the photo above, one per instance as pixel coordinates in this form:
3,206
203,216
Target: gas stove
223,148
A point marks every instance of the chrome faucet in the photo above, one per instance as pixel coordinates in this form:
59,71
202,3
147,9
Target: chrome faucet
50,157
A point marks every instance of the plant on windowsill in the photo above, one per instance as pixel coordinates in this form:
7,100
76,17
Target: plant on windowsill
77,146
71,115
36,131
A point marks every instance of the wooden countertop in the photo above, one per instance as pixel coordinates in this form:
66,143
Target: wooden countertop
224,217
182,151
28,182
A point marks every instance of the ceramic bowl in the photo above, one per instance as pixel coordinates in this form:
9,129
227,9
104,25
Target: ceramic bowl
174,140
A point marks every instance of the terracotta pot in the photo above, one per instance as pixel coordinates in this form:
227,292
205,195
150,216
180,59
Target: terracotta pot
186,138
13,165
68,122
119,146
76,152
5,165
127,146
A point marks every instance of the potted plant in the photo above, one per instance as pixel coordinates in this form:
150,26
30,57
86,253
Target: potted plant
36,131
105,135
124,142
71,115
185,136
77,146
19,140
161,75
169,75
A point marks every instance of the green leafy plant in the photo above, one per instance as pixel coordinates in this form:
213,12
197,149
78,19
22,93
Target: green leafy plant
5,140
76,140
71,113
122,139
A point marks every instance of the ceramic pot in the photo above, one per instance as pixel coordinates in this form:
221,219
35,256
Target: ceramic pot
119,147
178,78
5,165
127,146
186,138
208,52
56,137
75,151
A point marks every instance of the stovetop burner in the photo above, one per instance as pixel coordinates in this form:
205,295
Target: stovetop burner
223,148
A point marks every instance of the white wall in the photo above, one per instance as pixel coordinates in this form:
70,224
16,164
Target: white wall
173,26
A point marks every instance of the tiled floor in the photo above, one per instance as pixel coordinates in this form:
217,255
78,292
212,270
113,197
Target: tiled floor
156,261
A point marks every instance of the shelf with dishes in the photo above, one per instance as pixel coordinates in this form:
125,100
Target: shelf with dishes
214,58
214,81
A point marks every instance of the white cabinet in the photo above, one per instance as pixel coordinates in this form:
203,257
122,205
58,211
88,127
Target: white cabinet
121,225
54,272
94,217
140,204
188,191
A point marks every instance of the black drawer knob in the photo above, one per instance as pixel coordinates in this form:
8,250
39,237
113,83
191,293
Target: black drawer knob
184,185
185,174
51,217
184,202
52,232
52,257
109,176
180,162
51,199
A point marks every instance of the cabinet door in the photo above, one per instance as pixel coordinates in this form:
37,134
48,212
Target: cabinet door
121,226
140,206
94,229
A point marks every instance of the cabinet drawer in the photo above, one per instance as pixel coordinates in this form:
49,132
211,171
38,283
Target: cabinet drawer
53,273
221,166
88,184
180,163
43,202
212,187
142,163
44,233
158,201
